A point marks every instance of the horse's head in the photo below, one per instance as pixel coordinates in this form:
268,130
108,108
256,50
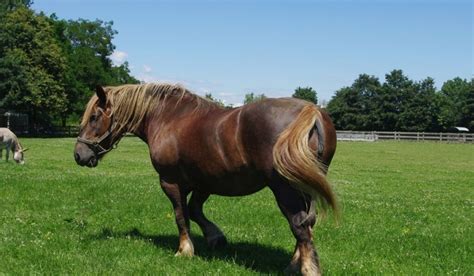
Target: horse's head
96,136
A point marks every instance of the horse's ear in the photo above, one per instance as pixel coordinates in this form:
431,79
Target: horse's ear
99,90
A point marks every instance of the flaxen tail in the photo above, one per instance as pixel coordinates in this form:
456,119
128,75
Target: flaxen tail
297,162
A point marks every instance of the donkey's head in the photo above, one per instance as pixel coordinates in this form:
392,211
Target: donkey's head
96,136
18,156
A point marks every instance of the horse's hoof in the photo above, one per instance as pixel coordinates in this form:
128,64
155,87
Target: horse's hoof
217,242
184,253
185,250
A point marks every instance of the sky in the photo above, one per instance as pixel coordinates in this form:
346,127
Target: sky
230,48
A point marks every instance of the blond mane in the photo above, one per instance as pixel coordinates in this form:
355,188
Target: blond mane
132,102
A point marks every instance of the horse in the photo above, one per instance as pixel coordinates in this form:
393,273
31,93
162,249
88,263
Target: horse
200,148
10,142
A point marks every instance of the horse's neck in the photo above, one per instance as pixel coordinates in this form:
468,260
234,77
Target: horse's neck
155,121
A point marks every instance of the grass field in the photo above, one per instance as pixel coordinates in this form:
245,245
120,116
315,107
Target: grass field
407,208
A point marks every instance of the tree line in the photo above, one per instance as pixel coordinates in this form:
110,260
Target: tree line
397,104
401,104
50,67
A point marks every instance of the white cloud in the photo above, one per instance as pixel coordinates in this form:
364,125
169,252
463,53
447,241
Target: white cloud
118,57
147,69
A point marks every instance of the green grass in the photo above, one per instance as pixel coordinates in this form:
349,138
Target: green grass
407,208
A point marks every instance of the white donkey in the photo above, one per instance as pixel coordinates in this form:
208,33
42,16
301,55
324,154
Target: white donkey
9,141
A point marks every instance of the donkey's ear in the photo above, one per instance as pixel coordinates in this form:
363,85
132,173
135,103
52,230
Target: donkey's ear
25,149
99,90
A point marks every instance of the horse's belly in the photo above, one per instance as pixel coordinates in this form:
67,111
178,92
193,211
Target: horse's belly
232,184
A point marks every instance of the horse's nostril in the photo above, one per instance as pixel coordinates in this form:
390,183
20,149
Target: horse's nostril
77,157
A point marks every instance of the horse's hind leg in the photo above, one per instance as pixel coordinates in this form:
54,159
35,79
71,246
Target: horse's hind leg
214,236
297,209
178,199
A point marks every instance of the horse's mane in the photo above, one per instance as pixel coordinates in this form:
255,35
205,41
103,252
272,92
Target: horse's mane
130,103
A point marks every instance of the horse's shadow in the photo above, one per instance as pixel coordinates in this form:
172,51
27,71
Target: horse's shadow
260,258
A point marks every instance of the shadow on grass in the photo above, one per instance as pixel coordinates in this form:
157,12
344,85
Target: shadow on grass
260,258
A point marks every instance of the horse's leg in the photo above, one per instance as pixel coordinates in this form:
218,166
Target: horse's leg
297,209
178,199
214,236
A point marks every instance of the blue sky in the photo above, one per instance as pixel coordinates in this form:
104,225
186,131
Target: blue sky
230,48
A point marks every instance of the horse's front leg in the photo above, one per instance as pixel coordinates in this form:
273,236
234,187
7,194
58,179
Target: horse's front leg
214,236
178,199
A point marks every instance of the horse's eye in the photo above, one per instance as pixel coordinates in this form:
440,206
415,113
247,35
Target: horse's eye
93,118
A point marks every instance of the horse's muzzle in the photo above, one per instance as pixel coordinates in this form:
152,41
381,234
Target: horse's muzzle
85,157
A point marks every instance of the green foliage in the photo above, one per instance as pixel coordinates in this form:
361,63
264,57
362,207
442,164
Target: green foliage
306,93
468,108
353,107
50,67
406,210
10,5
212,99
87,46
456,103
400,104
251,97
32,65
420,110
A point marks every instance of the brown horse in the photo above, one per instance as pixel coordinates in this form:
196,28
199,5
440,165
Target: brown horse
200,148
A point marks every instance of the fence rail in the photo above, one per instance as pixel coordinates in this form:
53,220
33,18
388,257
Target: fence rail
343,135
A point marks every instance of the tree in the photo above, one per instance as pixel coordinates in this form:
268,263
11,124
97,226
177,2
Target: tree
87,46
342,111
212,99
419,109
10,5
468,109
251,97
353,108
306,93
50,67
395,89
32,66
397,104
455,103
367,88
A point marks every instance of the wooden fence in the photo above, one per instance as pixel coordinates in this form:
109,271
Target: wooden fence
408,136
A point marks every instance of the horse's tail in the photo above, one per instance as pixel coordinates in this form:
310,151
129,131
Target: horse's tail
296,161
